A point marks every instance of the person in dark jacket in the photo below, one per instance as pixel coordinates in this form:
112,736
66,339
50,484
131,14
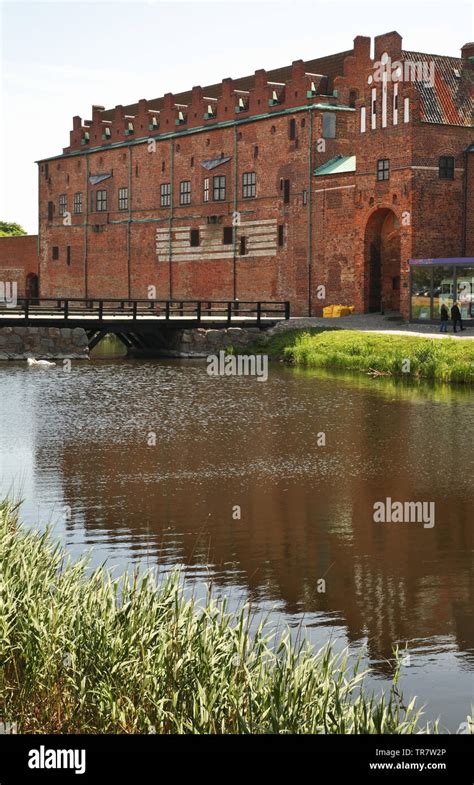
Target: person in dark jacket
444,317
456,317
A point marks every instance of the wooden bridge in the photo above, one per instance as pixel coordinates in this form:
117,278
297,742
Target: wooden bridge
133,320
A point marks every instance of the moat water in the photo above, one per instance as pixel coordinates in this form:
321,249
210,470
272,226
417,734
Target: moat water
146,462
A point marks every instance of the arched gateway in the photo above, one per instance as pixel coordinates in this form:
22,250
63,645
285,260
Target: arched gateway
382,262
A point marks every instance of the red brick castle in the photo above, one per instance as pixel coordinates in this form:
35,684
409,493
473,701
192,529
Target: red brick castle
314,183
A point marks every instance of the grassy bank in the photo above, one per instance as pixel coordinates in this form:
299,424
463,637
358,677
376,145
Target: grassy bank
450,360
86,653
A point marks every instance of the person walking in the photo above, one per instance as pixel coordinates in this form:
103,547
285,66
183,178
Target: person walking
456,317
444,317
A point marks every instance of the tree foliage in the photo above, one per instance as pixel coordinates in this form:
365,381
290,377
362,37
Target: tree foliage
11,229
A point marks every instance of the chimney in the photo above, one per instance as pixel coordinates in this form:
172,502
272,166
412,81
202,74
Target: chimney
390,43
96,111
298,70
467,54
362,47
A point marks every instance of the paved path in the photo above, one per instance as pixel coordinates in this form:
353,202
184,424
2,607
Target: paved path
374,323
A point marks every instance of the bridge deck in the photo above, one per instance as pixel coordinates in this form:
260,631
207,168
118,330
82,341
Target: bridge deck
115,314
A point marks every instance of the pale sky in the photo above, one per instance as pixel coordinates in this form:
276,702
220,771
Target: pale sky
59,58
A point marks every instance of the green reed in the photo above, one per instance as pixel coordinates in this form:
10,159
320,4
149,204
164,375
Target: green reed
447,360
90,653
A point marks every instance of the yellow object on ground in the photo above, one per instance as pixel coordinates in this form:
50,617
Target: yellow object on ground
335,311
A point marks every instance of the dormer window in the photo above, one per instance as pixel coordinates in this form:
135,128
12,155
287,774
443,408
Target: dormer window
129,129
153,125
107,132
209,115
86,137
181,118
242,105
274,100
312,91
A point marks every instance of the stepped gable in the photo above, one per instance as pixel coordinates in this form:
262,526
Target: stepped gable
330,66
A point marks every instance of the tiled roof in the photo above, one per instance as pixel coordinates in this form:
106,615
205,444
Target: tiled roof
449,100
330,67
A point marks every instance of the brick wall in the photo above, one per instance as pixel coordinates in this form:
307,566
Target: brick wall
18,260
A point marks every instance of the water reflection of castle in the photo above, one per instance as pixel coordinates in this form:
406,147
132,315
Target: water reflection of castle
307,517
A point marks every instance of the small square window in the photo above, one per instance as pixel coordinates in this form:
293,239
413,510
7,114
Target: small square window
194,238
383,169
228,235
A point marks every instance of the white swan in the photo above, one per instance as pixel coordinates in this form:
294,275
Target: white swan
39,363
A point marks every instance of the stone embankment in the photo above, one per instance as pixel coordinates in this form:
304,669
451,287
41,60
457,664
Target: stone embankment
201,342
18,343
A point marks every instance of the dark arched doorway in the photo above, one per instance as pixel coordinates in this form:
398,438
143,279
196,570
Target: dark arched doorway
32,287
382,262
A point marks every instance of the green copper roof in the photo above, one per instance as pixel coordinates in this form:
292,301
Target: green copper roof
337,165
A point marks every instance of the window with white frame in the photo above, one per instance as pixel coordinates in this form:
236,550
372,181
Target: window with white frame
185,192
165,195
101,201
77,202
219,188
249,185
123,199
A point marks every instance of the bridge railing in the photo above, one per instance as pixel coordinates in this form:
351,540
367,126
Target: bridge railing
116,308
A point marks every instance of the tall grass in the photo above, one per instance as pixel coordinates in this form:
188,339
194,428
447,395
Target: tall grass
447,360
89,653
